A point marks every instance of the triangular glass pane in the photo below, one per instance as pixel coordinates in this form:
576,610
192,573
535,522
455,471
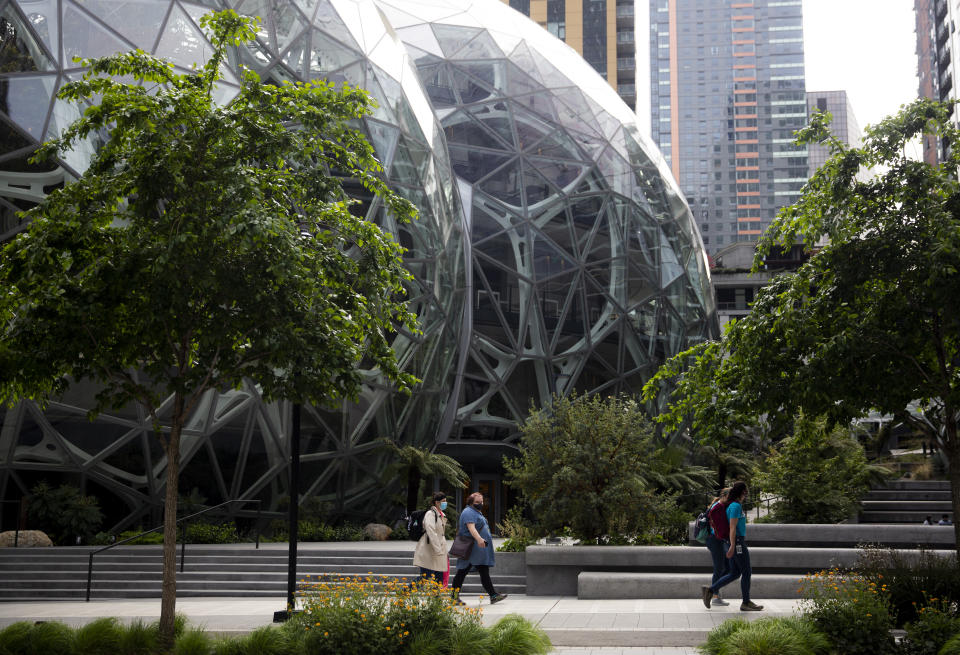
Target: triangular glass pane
496,118
557,228
328,20
475,81
453,37
606,349
641,283
461,129
13,141
130,457
201,475
504,184
384,139
557,145
572,323
138,22
561,174
473,164
489,220
420,37
536,187
182,42
20,51
539,103
288,24
84,37
522,60
46,24
26,100
480,47
548,260
584,216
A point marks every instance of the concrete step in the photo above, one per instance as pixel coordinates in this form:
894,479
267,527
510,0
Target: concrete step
916,485
901,517
942,506
888,494
595,585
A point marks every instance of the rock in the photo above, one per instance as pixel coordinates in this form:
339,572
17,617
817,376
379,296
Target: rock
28,539
376,532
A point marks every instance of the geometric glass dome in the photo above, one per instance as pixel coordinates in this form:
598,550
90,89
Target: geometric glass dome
552,252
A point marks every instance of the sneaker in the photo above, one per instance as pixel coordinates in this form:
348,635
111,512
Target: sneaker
457,601
707,595
750,606
717,600
496,598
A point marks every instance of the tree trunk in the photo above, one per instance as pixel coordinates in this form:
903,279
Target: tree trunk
722,475
168,597
952,444
413,484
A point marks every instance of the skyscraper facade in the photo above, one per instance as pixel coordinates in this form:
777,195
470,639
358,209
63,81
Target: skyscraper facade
938,46
600,30
844,125
727,92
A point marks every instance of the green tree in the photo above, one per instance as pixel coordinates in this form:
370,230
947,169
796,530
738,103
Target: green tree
871,320
416,464
592,464
63,513
205,245
818,474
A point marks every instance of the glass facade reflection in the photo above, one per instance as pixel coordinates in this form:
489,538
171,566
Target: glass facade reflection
553,251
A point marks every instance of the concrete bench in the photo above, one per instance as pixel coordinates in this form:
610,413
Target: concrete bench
596,585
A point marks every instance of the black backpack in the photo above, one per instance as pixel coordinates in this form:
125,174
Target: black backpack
415,524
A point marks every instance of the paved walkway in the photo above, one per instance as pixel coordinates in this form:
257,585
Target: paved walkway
576,627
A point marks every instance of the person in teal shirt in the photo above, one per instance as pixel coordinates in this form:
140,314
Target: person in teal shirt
737,552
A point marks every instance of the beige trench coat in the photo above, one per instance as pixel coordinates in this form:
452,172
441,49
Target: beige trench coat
431,552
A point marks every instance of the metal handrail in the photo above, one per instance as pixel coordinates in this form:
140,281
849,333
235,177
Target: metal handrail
16,529
183,542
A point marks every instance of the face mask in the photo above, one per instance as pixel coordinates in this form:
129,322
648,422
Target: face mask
477,505
443,505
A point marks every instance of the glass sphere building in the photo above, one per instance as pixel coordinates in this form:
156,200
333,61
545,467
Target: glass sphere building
553,251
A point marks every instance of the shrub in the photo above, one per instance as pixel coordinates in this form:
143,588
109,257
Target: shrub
515,635
936,623
853,612
356,616
15,638
952,647
468,638
605,448
399,533
262,641
517,531
63,513
769,635
138,639
151,538
51,638
819,474
211,533
911,577
99,637
717,638
777,636
193,642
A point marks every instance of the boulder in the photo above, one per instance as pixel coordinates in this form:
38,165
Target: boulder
27,539
376,532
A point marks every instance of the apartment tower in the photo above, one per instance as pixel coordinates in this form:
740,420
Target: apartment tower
602,31
727,93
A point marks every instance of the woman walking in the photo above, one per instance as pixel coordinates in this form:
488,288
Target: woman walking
473,524
717,536
431,552
737,552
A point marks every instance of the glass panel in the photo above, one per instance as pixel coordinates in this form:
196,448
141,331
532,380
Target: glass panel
19,51
82,37
138,22
26,99
182,42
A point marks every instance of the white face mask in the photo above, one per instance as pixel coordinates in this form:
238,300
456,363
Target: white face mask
443,504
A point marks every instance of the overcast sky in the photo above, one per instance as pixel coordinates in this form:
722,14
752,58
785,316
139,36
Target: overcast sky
864,47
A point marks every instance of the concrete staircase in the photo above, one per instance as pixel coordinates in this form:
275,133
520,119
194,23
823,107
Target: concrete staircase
60,573
907,501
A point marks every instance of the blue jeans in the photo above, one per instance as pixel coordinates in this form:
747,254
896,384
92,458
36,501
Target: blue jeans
718,552
428,573
739,568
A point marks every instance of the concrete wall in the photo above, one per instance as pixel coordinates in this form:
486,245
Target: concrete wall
847,535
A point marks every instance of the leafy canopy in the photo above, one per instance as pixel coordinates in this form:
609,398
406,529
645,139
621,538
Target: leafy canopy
870,321
205,244
592,465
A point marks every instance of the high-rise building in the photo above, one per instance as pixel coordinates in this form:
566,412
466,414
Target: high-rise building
600,30
727,92
938,46
844,125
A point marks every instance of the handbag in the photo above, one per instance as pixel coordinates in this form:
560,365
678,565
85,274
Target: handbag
462,547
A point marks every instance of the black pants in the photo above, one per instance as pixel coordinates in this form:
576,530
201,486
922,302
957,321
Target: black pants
484,579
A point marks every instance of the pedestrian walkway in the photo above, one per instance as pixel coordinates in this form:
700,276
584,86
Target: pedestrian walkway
576,627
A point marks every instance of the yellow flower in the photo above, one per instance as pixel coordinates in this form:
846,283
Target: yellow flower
388,627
